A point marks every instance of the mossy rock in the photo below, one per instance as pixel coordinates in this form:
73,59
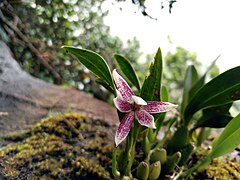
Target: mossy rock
73,146
223,169
69,146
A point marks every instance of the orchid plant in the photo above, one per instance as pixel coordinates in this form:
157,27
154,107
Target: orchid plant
139,151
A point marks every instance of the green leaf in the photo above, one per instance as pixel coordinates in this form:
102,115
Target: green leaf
104,84
178,140
228,140
225,143
127,70
185,152
216,117
164,94
159,119
201,81
95,63
152,85
221,90
191,77
151,88
203,134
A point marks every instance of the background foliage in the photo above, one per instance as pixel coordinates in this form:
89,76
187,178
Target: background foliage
35,31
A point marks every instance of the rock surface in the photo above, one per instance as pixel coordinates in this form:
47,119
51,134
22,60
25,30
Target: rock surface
69,146
26,99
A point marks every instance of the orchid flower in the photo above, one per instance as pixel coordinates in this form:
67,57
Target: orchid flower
134,107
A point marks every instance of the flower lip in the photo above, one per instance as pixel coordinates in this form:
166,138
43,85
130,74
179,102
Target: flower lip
138,100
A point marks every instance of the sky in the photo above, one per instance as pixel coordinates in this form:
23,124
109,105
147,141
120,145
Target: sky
209,28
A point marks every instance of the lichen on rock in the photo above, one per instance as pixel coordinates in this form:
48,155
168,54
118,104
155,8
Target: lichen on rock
60,147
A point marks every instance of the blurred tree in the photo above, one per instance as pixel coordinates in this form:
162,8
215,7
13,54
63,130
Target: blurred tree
175,65
35,31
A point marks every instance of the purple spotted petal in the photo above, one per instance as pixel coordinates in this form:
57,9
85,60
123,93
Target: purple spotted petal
157,107
145,119
122,86
122,105
124,128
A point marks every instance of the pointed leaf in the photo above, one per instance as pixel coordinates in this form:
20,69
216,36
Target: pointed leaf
228,140
225,143
127,70
216,117
95,63
191,77
201,81
213,121
221,90
152,85
151,88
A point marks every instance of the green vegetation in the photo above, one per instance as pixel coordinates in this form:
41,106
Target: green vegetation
74,146
223,169
211,100
35,32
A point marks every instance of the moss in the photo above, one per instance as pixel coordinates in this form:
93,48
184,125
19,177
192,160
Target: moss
16,136
223,169
85,167
59,147
219,169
